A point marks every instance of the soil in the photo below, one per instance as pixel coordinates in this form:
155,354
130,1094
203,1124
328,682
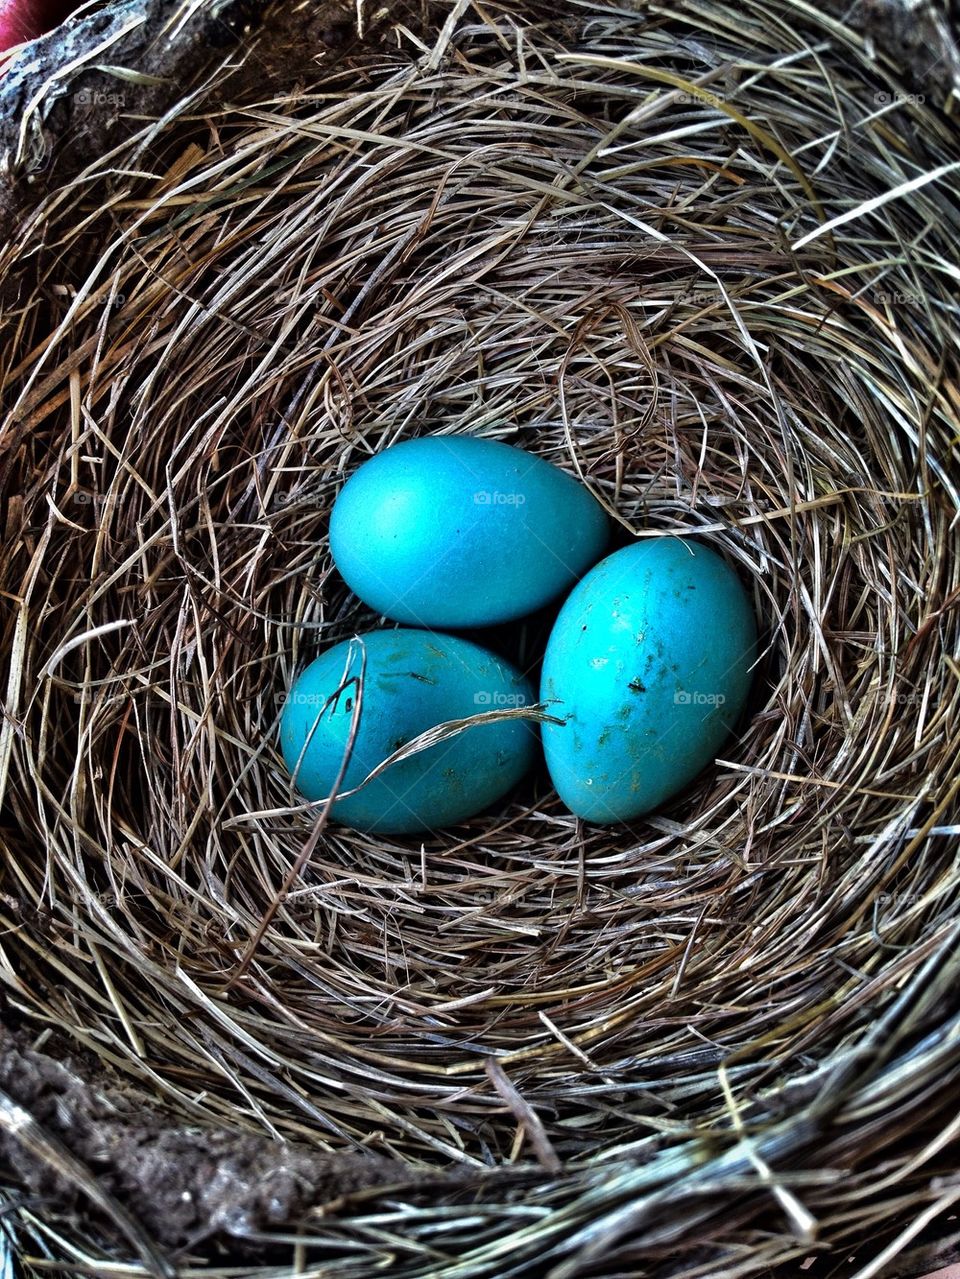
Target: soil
54,125
918,37
59,1130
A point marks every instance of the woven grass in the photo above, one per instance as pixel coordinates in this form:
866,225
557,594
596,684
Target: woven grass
705,260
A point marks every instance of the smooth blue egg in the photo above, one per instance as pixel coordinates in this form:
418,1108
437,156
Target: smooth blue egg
648,665
456,531
412,680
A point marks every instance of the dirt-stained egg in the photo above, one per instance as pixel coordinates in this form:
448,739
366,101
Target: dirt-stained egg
648,666
412,680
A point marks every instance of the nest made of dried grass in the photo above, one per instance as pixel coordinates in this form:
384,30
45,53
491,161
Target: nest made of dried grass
703,258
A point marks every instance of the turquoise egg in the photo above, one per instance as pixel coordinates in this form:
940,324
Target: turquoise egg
412,681
455,531
648,665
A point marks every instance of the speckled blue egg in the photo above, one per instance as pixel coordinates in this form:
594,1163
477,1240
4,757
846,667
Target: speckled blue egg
648,666
412,681
456,531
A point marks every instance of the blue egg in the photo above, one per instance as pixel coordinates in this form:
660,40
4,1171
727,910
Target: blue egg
648,665
455,531
412,681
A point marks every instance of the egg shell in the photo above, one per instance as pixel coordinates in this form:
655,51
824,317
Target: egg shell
648,664
457,531
412,681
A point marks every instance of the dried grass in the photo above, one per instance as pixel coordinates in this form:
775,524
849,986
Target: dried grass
706,260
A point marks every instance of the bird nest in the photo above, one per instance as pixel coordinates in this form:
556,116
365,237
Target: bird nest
703,260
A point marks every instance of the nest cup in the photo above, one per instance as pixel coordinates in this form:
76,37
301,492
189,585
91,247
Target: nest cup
708,268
